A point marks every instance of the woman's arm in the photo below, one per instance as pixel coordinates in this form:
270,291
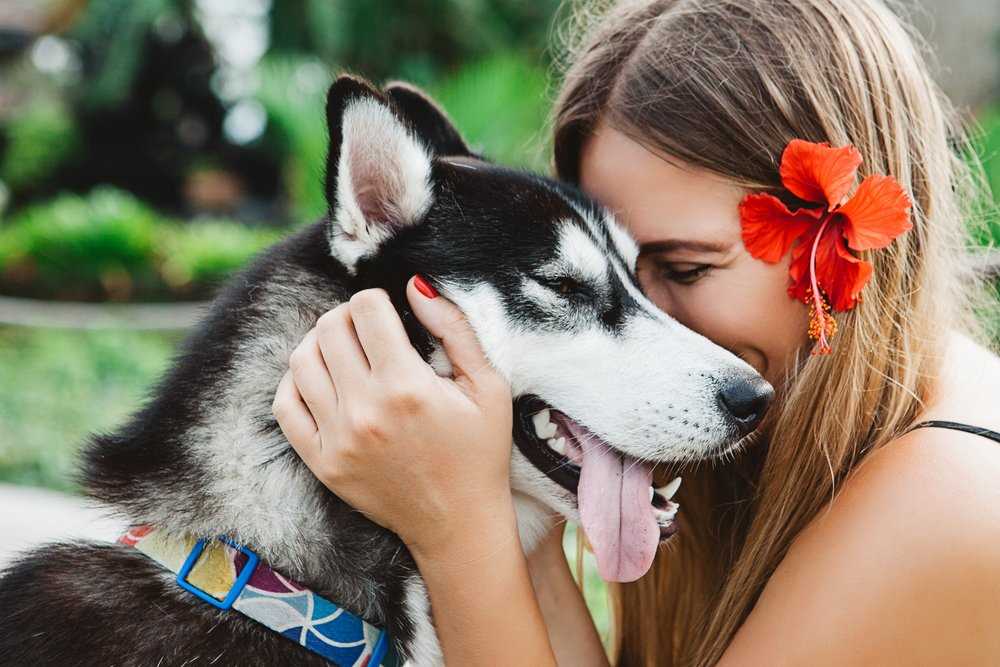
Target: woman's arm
571,628
426,457
485,610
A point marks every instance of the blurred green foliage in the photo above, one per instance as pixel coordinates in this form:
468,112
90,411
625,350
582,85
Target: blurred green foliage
420,41
92,239
293,93
499,104
988,148
108,244
206,252
114,34
39,139
59,386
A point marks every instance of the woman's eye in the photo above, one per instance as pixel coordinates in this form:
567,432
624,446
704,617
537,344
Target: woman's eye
684,274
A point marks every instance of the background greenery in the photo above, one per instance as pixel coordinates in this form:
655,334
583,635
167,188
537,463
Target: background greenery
987,141
113,247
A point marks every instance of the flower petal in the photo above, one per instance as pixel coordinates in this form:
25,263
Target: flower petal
877,213
769,228
798,270
840,274
818,173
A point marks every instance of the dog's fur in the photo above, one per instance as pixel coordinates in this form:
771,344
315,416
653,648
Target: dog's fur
545,278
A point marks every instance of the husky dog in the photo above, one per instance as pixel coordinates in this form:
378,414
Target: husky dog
604,384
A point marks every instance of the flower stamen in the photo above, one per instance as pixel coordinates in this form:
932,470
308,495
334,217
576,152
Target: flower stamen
818,325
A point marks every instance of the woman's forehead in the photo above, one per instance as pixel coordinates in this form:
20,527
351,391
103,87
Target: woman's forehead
655,197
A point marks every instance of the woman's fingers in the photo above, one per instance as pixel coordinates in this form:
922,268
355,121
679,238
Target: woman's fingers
342,352
447,323
381,332
295,420
360,431
312,381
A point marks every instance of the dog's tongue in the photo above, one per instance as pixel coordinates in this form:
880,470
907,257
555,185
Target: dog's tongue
616,513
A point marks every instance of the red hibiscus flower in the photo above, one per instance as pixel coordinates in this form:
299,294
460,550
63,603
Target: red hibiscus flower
823,233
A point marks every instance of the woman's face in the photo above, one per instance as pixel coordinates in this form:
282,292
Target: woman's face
692,262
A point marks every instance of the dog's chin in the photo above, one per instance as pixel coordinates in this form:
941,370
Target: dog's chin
559,454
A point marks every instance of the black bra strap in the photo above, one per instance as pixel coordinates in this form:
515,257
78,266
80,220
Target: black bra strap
958,426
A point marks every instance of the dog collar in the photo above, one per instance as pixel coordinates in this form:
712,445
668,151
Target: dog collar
229,576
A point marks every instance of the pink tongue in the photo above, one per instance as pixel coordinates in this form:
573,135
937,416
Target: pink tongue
616,513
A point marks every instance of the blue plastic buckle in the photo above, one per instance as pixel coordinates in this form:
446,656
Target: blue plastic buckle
238,585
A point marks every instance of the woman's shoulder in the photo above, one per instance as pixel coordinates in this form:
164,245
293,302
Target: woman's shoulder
944,477
932,485
950,459
930,498
903,566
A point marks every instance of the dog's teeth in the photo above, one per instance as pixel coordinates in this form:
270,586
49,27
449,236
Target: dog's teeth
667,515
558,444
540,419
668,490
651,494
544,429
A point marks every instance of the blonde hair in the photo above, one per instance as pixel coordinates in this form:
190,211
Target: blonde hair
724,85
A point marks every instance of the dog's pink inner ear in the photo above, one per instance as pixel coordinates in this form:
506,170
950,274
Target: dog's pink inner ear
383,175
375,191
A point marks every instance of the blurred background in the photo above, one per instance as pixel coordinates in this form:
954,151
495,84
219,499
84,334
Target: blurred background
148,148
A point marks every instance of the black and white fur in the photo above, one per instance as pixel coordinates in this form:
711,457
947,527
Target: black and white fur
544,276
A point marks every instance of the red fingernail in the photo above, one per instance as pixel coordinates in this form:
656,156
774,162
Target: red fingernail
424,287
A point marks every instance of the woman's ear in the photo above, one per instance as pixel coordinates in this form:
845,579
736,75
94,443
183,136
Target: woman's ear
429,120
378,171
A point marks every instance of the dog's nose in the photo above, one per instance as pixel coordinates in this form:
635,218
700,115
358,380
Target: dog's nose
746,401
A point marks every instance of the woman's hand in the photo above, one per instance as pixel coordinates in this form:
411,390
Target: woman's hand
424,456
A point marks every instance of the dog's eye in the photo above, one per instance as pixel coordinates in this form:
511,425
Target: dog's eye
566,287
569,287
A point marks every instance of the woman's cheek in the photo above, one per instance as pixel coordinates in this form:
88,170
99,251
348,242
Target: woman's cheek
702,306
780,323
656,291
715,312
746,312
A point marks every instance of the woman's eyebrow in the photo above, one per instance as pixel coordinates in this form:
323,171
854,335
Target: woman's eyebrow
668,245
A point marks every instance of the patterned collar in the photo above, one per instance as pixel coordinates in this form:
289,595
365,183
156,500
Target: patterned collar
229,576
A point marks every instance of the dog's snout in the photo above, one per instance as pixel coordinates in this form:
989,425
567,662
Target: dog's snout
746,401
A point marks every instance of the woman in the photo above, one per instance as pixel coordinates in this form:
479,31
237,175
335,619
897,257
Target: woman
844,535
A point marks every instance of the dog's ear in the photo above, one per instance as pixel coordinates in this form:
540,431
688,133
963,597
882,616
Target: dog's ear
377,171
429,120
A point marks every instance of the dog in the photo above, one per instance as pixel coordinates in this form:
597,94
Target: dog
604,386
